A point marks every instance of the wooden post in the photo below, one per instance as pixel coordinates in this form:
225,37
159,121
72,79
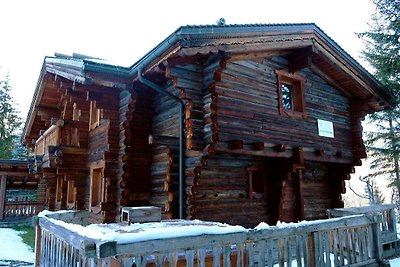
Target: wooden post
300,180
311,250
38,241
376,232
3,186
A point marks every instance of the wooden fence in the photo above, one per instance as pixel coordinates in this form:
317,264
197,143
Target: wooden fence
353,240
20,209
388,229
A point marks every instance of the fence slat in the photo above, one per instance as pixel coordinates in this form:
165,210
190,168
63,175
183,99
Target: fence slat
350,240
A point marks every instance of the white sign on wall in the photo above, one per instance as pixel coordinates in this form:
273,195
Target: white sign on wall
325,128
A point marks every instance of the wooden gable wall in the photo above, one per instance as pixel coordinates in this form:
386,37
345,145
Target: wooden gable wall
231,105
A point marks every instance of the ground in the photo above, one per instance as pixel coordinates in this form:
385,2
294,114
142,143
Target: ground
13,251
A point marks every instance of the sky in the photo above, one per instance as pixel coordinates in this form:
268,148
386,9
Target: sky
123,31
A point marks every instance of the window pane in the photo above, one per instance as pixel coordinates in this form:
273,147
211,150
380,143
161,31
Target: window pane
287,99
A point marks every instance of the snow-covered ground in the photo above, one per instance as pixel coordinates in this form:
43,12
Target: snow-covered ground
12,249
13,252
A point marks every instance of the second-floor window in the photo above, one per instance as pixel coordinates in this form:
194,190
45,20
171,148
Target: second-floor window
291,94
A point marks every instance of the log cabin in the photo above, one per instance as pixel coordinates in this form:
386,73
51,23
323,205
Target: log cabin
231,123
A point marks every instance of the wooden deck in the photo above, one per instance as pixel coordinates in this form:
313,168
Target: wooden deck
354,240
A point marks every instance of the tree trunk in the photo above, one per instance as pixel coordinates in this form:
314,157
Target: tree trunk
395,157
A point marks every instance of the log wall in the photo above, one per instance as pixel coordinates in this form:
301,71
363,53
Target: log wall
104,145
248,108
135,126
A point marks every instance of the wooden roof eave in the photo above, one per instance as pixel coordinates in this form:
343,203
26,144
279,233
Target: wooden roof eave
51,66
239,48
360,77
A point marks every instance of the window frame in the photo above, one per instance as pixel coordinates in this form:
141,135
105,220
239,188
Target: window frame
256,172
297,83
96,200
71,194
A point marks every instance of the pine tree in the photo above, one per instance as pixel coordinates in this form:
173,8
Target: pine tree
383,53
10,122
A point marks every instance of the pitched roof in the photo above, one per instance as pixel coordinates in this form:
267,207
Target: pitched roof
204,39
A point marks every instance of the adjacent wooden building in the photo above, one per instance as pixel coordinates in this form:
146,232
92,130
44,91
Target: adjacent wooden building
232,123
18,190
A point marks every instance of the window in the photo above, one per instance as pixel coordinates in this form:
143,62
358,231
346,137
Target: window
96,189
59,188
71,195
291,94
257,183
95,115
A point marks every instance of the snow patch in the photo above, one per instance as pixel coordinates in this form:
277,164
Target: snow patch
12,247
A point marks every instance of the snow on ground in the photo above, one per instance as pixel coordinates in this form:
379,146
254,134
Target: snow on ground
395,262
13,249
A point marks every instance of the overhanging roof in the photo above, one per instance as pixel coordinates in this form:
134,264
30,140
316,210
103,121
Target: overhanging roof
206,39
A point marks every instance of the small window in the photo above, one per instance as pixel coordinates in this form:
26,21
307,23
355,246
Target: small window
291,94
257,185
71,195
95,115
96,189
59,189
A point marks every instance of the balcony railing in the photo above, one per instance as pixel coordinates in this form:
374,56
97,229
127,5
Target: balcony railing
21,209
51,137
62,240
387,225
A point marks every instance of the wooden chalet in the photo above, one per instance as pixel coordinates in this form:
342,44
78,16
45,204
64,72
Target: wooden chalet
232,123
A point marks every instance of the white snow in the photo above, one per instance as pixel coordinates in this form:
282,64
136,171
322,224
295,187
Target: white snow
395,262
136,232
160,230
12,247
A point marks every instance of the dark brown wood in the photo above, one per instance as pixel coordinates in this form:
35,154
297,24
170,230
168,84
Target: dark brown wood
237,132
3,185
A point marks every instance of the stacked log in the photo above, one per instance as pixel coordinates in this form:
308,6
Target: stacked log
246,99
104,145
164,180
222,194
126,109
137,162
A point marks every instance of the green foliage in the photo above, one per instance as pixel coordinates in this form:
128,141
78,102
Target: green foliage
27,233
10,122
19,151
383,53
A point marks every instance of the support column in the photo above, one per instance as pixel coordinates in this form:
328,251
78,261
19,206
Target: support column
298,170
3,186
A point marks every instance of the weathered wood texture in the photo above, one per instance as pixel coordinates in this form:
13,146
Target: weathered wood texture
104,145
338,242
222,194
248,109
135,150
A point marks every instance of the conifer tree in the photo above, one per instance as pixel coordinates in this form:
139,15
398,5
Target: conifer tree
383,53
10,122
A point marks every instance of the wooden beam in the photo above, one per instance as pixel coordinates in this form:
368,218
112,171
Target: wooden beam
3,185
300,59
236,144
15,173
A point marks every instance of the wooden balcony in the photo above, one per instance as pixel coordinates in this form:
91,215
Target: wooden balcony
64,239
21,209
63,136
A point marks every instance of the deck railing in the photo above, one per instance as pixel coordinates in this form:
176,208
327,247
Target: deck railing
21,209
353,240
51,137
388,228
